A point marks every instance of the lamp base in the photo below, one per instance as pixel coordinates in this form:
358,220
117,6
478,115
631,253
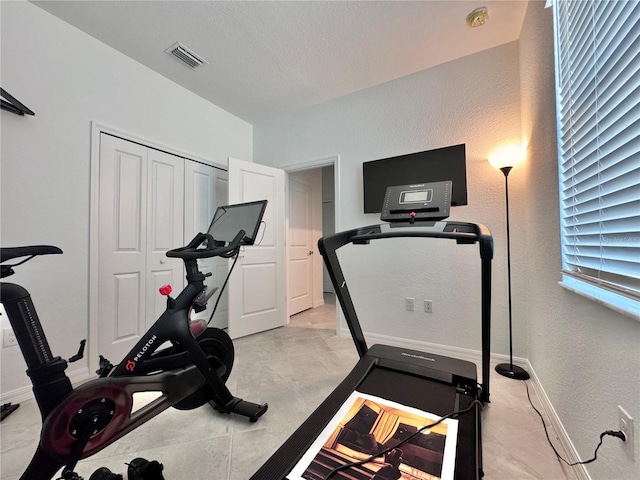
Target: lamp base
512,371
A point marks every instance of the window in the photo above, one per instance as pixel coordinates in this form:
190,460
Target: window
598,105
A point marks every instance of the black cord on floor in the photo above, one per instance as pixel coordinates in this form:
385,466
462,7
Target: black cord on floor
612,433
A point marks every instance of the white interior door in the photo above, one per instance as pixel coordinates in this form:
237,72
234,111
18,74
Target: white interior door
300,246
257,288
140,218
205,190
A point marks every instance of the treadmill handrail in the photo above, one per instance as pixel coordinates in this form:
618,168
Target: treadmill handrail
462,232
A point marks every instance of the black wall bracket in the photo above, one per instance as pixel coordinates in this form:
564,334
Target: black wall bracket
10,104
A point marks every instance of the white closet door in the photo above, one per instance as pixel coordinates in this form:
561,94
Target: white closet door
165,226
204,187
140,217
123,242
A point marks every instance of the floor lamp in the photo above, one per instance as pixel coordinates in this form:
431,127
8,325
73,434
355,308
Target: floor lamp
505,159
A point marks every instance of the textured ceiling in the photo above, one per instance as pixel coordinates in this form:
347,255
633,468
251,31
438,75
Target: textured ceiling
270,58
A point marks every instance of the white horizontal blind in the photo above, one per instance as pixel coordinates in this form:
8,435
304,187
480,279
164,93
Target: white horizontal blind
598,80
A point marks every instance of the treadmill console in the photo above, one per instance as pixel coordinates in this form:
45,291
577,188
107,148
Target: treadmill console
417,202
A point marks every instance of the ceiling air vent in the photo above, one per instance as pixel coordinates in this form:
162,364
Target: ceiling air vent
185,55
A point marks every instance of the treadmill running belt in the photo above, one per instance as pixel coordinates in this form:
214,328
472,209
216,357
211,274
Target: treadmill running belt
432,397
410,390
407,389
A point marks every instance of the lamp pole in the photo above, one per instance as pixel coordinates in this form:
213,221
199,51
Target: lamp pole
509,369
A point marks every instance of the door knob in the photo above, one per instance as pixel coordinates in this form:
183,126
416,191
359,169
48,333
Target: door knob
310,252
163,261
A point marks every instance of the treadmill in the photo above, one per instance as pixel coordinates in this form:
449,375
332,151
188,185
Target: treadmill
432,383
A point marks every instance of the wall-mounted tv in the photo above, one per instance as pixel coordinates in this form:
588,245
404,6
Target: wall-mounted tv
448,163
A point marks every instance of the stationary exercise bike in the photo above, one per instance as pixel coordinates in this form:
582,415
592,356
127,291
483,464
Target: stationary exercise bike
189,372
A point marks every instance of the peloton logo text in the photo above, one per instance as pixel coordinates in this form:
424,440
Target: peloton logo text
131,364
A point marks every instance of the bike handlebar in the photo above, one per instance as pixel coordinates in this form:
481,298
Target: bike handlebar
191,251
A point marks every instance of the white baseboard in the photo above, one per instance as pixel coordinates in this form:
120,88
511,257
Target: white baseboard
475,356
26,393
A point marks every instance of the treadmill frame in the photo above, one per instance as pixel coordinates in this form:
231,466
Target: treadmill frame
288,454
461,232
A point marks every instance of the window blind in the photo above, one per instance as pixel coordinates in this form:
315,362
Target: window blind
598,102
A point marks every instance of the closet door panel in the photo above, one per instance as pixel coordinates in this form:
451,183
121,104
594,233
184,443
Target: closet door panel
165,214
205,186
141,216
122,246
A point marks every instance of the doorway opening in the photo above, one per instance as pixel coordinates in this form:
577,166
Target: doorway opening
312,214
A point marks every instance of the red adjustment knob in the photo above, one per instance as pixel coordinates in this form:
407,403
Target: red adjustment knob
165,290
412,214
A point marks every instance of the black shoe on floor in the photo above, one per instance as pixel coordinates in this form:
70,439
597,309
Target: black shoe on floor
141,469
103,473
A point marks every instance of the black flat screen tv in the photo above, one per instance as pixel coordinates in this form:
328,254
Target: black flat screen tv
448,163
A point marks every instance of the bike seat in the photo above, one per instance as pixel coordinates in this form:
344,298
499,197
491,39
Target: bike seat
30,251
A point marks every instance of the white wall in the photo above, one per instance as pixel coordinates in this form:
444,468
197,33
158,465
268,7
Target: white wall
70,79
473,100
586,356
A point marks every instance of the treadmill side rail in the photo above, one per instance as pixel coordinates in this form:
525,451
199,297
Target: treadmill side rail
461,232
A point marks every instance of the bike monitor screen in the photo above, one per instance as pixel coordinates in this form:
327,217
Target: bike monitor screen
230,219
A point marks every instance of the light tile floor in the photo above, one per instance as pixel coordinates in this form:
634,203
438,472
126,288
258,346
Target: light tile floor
293,369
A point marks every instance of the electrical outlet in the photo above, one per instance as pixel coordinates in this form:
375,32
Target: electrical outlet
410,304
428,306
625,424
8,337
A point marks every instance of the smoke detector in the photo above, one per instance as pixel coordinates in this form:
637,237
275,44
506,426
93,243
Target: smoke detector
478,17
186,55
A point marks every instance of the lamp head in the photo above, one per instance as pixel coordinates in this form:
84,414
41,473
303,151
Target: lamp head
507,157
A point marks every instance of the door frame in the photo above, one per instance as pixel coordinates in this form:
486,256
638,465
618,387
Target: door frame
97,129
331,160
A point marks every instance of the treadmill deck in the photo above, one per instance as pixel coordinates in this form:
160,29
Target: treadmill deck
368,376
